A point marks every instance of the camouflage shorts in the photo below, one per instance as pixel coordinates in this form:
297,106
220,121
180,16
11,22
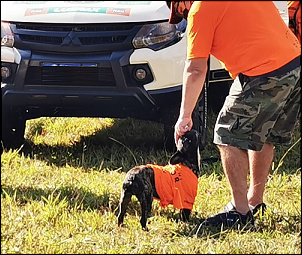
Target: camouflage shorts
258,110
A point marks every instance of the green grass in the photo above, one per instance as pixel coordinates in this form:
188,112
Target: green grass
60,194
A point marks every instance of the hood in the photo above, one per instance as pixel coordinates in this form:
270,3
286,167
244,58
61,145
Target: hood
84,11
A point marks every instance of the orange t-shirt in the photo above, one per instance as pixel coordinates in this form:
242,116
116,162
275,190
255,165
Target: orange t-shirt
248,37
175,184
294,12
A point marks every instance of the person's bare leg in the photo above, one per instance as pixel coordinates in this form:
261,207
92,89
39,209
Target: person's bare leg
236,164
260,164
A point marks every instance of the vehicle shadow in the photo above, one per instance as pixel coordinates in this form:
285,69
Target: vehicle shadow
76,198
125,144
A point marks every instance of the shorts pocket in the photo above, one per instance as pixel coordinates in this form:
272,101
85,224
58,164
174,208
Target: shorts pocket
237,119
240,108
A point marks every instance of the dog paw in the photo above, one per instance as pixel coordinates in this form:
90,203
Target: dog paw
146,229
120,224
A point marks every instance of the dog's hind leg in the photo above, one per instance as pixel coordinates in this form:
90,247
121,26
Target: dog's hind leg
125,199
146,200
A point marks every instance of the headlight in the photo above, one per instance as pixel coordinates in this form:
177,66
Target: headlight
157,36
7,36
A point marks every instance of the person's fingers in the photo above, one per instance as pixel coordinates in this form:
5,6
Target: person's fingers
181,127
176,138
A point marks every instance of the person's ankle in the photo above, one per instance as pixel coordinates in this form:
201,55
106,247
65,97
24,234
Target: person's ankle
242,209
261,207
254,204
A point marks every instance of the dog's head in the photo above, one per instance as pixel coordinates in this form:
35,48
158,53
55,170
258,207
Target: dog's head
188,151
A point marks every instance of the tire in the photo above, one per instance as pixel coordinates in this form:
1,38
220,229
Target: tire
169,142
13,128
169,119
199,118
200,113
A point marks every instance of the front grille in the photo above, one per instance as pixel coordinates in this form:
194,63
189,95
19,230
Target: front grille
78,28
70,76
41,39
57,45
101,40
75,37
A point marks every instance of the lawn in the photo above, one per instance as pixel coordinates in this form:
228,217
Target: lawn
60,194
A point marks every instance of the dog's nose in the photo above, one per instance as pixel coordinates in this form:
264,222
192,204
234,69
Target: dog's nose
187,140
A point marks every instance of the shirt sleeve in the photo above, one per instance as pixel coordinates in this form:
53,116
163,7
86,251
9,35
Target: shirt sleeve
201,28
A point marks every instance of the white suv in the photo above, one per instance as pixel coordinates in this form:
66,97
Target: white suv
94,59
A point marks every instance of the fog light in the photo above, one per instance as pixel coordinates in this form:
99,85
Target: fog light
5,72
140,74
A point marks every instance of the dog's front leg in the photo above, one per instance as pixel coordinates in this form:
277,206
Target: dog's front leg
185,214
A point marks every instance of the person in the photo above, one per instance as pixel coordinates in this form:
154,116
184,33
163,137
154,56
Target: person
263,57
294,15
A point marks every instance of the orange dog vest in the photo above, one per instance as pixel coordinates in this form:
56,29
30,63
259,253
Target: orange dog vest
175,184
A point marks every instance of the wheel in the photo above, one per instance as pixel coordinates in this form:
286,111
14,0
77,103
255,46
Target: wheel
13,128
200,113
169,119
169,142
199,118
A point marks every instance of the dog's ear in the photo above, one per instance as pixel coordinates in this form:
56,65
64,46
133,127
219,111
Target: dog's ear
176,158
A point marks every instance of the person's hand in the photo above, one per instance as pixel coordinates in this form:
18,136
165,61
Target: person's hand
181,127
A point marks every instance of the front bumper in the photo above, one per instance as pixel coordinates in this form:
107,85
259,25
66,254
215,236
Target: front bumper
43,85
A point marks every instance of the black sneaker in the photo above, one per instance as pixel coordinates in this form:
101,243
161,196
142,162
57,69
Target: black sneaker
258,209
230,218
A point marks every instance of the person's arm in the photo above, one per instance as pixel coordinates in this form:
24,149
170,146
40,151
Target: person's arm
193,81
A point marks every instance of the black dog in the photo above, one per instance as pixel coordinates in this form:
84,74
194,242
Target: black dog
147,181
